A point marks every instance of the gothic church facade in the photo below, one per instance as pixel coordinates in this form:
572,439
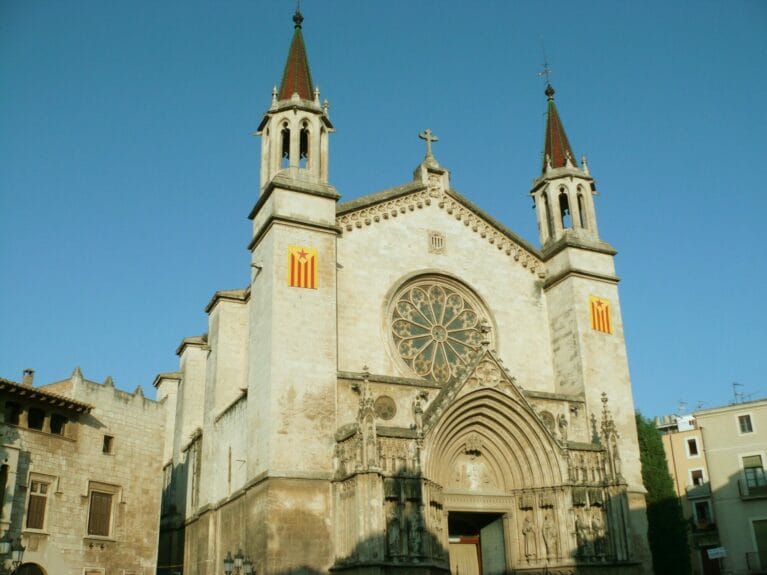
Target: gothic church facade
464,404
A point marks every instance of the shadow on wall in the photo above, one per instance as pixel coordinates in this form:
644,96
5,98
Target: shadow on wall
15,468
173,511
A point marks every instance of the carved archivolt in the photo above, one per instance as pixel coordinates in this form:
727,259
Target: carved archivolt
473,221
488,442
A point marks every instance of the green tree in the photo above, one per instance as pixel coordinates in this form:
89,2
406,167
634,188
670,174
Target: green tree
667,531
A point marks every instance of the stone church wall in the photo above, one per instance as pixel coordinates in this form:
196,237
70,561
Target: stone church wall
376,259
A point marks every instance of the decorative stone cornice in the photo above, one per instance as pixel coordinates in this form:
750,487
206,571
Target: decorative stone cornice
372,212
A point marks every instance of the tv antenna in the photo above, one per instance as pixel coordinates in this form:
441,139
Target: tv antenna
737,395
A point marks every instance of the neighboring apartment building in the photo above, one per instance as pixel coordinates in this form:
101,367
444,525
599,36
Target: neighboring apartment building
717,459
80,480
683,444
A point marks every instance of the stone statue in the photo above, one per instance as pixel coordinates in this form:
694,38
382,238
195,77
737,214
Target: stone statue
416,534
583,536
562,422
598,531
418,414
550,537
528,532
393,532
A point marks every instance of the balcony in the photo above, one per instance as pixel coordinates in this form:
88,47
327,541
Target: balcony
698,491
702,526
755,564
753,488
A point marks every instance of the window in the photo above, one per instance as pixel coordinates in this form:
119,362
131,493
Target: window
36,417
100,514
58,423
702,510
101,509
38,498
12,413
3,486
696,477
744,422
692,447
753,469
108,445
195,463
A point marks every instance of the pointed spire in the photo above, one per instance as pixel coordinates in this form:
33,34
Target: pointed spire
297,79
556,152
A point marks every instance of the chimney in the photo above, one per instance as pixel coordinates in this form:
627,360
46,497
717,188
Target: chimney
29,377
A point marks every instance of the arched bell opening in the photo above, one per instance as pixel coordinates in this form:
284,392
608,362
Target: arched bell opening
303,146
285,147
582,209
564,209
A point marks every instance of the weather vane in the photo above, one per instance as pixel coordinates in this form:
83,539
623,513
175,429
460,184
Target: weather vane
546,72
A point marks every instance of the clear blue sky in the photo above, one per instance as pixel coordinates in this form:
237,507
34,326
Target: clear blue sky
127,165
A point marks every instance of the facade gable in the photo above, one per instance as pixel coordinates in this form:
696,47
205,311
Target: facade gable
402,200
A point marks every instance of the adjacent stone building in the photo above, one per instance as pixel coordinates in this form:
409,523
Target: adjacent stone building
717,457
405,385
80,480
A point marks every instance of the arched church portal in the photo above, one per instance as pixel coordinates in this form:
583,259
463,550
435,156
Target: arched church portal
500,473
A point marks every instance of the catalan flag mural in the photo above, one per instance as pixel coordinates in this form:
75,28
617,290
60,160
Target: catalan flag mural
302,267
600,314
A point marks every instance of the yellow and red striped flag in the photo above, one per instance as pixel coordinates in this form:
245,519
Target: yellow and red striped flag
302,267
600,314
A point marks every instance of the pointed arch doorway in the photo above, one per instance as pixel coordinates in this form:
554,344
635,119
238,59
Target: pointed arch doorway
476,543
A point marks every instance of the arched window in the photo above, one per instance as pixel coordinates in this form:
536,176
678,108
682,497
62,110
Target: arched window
582,209
285,157
547,215
303,155
564,208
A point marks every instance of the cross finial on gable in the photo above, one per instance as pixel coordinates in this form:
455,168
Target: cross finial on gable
429,137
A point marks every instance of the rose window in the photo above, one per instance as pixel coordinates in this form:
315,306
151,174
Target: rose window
437,329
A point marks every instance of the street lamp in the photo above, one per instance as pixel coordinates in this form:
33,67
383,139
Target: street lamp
239,565
11,546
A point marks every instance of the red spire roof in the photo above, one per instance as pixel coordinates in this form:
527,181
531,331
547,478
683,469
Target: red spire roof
296,78
557,148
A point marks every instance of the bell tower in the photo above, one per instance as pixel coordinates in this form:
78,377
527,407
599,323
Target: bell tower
294,131
581,290
292,349
564,192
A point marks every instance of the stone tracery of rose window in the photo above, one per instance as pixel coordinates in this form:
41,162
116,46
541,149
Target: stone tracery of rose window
437,329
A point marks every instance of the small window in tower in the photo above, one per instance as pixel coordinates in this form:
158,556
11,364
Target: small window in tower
564,209
692,447
108,445
303,156
285,158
